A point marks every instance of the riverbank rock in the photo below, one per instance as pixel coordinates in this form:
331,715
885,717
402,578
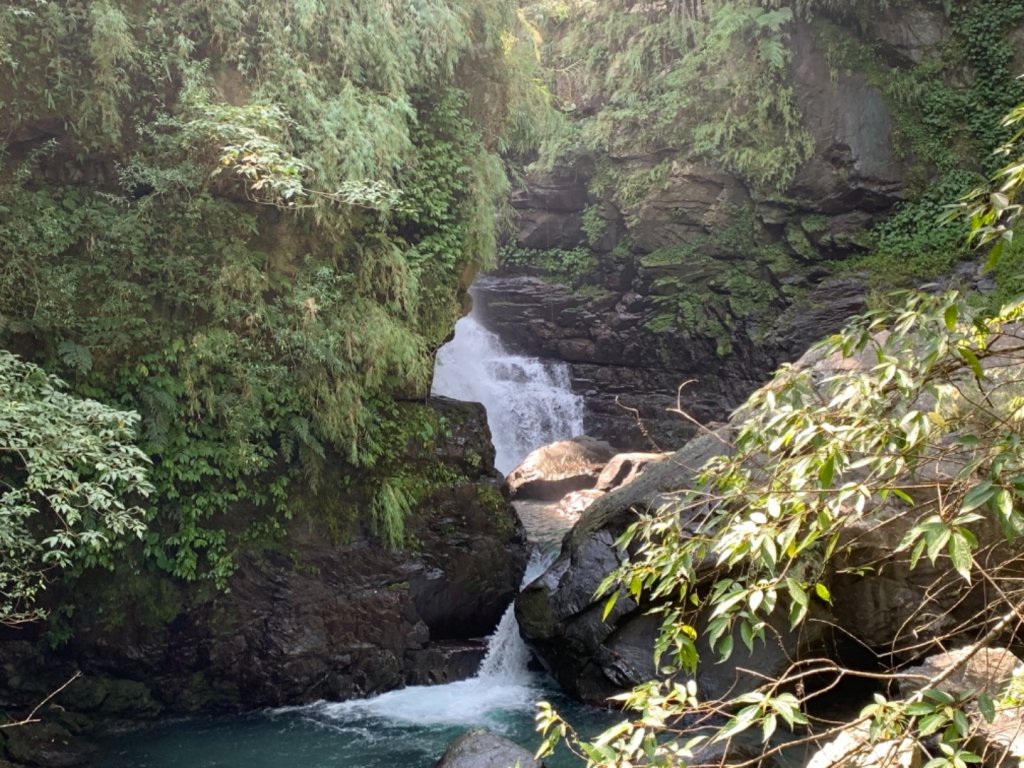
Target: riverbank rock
880,601
323,610
853,748
554,470
990,671
44,744
559,616
483,749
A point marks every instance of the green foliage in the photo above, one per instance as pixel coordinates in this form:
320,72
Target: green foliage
251,225
940,119
758,537
994,209
70,480
594,225
698,297
564,266
918,240
710,79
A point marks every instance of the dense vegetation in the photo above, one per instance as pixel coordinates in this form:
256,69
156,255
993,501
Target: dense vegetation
71,462
907,422
713,79
647,89
252,223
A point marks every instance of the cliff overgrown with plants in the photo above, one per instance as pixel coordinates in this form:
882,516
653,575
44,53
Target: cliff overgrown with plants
646,89
252,223
890,454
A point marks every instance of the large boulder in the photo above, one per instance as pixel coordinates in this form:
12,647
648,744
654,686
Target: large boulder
560,616
553,470
483,749
854,748
879,600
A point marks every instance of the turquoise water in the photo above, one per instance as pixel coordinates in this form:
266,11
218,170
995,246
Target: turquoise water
350,735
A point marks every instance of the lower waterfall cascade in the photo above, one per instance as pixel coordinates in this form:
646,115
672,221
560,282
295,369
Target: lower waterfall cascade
405,728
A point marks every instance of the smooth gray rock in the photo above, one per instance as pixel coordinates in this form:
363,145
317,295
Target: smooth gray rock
483,749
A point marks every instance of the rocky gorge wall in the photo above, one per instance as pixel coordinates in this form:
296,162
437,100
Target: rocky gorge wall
699,275
320,611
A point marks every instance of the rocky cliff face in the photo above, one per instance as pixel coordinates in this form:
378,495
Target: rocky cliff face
313,614
703,278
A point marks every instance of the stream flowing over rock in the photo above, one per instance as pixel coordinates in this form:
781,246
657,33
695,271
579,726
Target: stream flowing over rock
313,617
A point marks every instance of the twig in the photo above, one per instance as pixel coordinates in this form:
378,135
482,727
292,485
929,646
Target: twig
31,717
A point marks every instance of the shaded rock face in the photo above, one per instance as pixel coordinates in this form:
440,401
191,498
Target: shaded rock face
311,616
483,749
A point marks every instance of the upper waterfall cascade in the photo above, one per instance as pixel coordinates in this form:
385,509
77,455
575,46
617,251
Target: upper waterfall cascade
529,401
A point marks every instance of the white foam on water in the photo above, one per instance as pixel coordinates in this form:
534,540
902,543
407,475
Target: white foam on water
504,683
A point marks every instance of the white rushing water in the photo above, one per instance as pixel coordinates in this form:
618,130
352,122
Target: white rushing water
503,684
529,401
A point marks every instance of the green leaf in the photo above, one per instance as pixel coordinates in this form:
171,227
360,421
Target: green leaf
978,495
827,471
950,316
960,553
987,707
822,591
972,361
609,605
725,649
932,723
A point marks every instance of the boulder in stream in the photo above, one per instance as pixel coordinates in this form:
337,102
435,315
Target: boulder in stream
885,605
483,749
554,470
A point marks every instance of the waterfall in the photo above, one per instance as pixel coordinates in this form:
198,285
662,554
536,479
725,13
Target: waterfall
503,684
507,656
529,401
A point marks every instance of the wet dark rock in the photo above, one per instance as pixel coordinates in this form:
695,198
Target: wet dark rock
483,749
45,744
444,662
